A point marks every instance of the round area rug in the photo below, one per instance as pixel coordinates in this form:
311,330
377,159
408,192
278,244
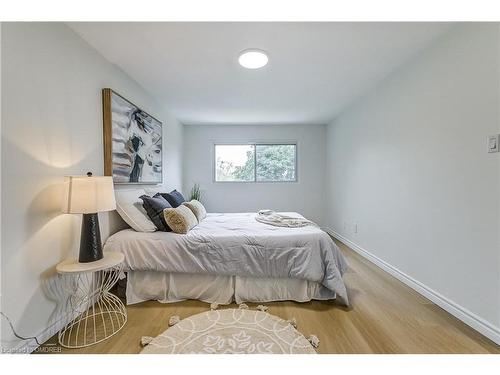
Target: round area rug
238,331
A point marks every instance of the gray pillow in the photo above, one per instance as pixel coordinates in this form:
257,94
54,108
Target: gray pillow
154,207
174,198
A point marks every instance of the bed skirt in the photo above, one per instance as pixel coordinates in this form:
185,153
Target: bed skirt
174,287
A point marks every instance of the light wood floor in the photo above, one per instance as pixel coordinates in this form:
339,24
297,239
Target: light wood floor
385,316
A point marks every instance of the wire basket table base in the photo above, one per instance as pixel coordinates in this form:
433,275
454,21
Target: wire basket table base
98,314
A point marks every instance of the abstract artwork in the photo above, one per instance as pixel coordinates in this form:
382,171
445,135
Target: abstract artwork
132,142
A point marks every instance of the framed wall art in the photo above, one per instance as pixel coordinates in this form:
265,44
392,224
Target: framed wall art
132,142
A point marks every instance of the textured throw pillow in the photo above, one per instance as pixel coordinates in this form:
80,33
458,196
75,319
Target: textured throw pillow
180,219
197,208
174,198
129,207
154,207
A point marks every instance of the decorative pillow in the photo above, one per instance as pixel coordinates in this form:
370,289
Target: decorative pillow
197,208
180,219
152,189
154,207
129,207
174,198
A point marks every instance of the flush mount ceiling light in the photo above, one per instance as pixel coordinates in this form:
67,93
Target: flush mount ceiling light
253,59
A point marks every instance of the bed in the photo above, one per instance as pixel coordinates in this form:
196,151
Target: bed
232,257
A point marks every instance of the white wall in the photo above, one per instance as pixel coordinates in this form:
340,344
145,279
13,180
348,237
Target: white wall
52,127
408,164
305,196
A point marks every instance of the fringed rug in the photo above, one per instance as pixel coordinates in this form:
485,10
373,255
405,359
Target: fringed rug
231,331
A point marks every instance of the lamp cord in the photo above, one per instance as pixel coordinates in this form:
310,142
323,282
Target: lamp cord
15,333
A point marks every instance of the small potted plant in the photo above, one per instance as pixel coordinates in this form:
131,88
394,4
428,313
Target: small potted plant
195,192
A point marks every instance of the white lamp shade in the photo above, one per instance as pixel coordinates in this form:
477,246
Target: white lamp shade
88,195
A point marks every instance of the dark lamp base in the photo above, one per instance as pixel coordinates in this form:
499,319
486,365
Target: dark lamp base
90,241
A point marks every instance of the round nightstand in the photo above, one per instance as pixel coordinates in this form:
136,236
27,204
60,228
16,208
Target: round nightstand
96,313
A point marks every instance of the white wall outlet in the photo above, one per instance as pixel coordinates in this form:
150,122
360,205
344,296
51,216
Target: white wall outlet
493,141
345,226
355,228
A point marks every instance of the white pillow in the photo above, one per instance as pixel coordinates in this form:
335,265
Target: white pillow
153,190
197,208
129,206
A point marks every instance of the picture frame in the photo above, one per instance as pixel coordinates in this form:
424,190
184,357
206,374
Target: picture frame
132,140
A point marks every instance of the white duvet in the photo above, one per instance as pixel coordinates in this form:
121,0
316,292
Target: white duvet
235,244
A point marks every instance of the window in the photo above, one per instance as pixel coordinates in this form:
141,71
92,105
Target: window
234,163
256,162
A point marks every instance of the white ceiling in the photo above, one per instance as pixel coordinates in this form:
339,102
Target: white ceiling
314,70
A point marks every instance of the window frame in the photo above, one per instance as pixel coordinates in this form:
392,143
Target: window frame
255,144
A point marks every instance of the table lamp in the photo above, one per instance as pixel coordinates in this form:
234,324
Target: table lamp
89,195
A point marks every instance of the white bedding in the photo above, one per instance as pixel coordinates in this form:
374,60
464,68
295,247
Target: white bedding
237,245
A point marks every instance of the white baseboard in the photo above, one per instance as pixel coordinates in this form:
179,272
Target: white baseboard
466,316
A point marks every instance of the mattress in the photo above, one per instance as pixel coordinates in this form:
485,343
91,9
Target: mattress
235,244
